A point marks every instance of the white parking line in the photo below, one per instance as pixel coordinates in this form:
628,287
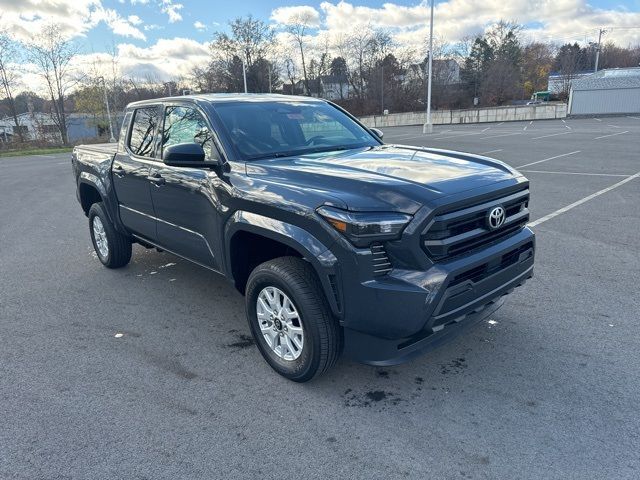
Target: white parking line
580,202
629,116
486,129
547,159
551,135
614,126
490,151
611,135
597,120
565,125
577,173
502,135
456,136
525,127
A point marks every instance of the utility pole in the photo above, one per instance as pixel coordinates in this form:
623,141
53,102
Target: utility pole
112,139
601,32
382,88
244,75
269,77
428,127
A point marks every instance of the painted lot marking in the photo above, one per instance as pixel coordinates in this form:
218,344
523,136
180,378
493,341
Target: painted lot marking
611,135
565,125
490,151
636,118
597,120
547,159
503,135
551,135
456,136
583,200
614,126
526,126
577,173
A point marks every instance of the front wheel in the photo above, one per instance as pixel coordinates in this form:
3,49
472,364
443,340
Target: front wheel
113,248
290,319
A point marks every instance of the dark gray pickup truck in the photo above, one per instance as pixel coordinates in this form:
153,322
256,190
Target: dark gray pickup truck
338,241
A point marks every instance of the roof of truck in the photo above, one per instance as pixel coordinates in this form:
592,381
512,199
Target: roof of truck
230,97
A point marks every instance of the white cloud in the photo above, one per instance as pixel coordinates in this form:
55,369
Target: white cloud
25,18
558,20
301,13
139,2
134,19
120,26
165,59
199,26
172,10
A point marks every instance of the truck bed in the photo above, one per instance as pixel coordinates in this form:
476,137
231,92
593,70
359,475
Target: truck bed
103,148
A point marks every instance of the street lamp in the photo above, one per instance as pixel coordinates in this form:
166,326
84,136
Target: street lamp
244,76
112,139
428,127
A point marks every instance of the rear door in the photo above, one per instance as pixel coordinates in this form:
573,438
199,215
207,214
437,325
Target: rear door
184,198
131,167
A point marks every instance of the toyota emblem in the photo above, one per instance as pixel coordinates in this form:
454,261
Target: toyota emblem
496,218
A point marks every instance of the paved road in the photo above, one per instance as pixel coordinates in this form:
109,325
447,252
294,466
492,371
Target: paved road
548,388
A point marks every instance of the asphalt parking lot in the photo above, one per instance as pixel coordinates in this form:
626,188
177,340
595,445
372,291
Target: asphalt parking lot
149,371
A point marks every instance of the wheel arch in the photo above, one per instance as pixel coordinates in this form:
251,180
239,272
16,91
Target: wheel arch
253,239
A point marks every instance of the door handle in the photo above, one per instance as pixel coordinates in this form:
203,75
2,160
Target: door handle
118,171
156,179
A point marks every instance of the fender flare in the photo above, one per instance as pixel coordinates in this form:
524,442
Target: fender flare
313,250
91,180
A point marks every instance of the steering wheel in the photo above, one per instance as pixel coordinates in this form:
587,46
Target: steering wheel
255,143
315,140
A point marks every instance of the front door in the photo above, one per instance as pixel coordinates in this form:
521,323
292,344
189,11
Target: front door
184,198
131,167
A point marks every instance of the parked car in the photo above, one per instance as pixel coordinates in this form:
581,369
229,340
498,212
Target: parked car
337,240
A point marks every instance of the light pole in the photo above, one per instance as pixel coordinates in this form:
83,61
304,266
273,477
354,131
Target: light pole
428,127
244,76
112,139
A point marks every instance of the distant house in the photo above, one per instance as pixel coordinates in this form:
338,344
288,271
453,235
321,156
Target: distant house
39,126
446,71
331,87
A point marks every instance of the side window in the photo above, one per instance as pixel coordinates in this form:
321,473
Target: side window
145,123
186,125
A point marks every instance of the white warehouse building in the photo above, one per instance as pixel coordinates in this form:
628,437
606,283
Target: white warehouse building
611,91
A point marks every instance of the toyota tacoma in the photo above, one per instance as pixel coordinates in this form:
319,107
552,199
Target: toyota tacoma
338,241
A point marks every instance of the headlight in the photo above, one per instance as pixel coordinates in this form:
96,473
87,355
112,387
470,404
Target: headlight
364,228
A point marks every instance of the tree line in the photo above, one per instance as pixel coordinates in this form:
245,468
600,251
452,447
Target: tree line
367,70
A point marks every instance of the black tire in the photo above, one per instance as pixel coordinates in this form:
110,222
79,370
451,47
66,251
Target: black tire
322,334
118,245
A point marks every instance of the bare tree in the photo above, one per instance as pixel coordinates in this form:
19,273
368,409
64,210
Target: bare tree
52,54
9,77
298,27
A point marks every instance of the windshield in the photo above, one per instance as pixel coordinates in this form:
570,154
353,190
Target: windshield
285,128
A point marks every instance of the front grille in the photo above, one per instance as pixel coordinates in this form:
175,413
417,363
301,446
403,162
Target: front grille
380,260
458,231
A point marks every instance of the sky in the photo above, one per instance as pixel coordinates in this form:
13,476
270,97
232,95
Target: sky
168,37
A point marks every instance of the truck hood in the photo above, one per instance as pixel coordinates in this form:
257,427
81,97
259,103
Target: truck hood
389,177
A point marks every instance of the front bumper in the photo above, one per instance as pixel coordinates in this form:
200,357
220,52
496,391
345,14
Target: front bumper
407,313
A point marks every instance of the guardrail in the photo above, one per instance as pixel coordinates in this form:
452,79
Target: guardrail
473,115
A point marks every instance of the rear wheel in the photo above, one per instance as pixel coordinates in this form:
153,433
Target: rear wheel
113,248
290,319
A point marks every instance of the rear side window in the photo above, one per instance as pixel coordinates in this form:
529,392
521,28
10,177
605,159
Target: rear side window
145,124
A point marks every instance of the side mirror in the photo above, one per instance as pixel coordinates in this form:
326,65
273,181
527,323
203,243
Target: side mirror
378,132
185,155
